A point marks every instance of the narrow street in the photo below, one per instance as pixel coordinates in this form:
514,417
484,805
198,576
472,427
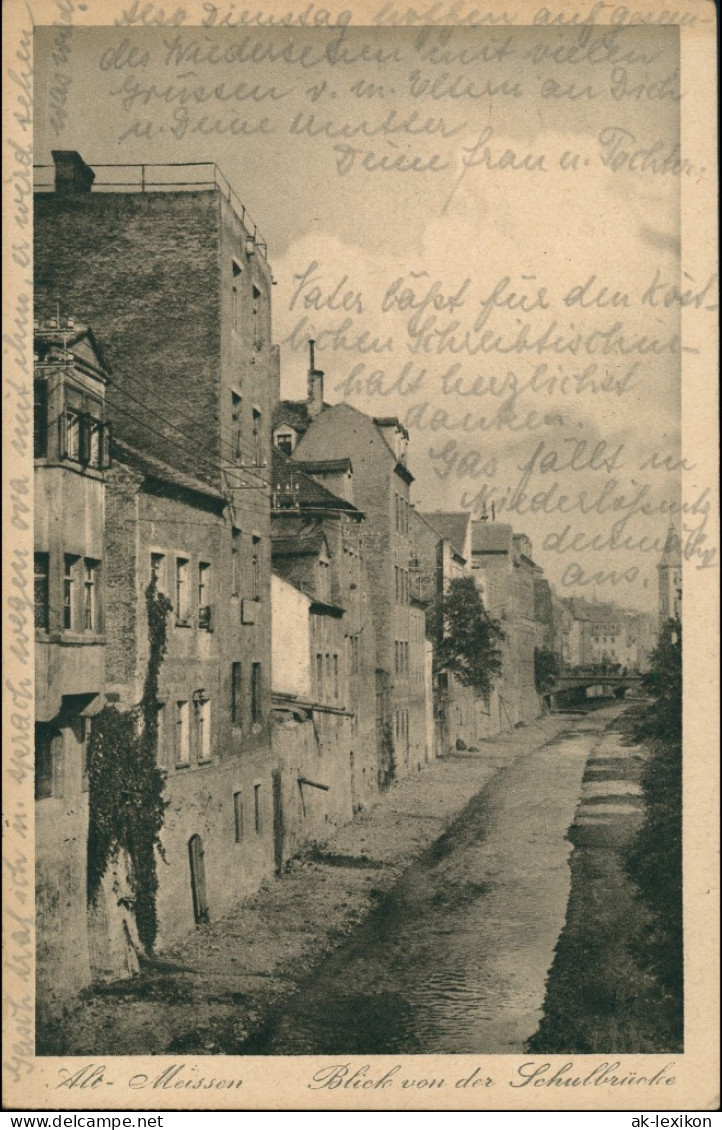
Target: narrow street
455,958
426,925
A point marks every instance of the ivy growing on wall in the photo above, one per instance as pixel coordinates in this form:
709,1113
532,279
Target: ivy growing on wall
126,803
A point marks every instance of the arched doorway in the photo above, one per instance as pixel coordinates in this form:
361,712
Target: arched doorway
198,879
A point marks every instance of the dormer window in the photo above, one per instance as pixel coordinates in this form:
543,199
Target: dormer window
285,439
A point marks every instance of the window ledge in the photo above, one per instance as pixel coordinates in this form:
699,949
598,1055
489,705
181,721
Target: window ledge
182,764
69,638
183,624
205,761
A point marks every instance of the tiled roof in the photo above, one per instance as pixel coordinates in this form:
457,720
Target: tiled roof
451,525
295,487
303,544
154,468
321,466
491,537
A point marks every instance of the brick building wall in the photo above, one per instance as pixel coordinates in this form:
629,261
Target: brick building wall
181,292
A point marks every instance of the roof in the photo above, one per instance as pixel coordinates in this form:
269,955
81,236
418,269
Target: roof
451,525
585,610
390,422
68,338
293,487
491,537
154,468
291,412
303,544
325,466
294,413
294,557
376,425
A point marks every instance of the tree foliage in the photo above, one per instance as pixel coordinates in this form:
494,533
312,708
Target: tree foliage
470,648
546,669
654,861
126,804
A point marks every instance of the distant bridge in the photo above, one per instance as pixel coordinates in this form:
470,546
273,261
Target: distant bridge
618,683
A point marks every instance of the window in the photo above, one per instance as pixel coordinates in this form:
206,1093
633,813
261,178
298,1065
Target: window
158,571
256,692
335,677
236,294
285,441
257,329
70,613
238,815
203,729
236,694
182,604
182,744
256,568
47,755
319,677
40,419
257,438
160,737
397,587
72,433
90,595
397,515
236,426
353,653
42,591
235,562
204,606
257,808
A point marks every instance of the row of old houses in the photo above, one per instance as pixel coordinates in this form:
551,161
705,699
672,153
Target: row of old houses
299,588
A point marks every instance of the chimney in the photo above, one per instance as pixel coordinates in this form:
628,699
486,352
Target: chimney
315,384
72,175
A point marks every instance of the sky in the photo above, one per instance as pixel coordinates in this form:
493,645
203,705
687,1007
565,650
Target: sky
479,226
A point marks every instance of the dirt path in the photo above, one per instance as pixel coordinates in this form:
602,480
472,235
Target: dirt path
212,992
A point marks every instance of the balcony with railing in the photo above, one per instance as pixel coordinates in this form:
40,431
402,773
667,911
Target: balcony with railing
189,176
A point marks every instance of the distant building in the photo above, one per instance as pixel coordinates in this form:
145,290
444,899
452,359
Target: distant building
312,716
316,498
442,545
317,432
669,573
71,460
506,575
603,634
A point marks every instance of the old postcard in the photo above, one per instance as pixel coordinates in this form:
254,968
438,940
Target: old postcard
361,717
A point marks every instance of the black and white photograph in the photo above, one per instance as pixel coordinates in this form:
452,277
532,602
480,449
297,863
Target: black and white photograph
372,503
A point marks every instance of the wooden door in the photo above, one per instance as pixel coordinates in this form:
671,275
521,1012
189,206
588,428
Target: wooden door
198,879
277,820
